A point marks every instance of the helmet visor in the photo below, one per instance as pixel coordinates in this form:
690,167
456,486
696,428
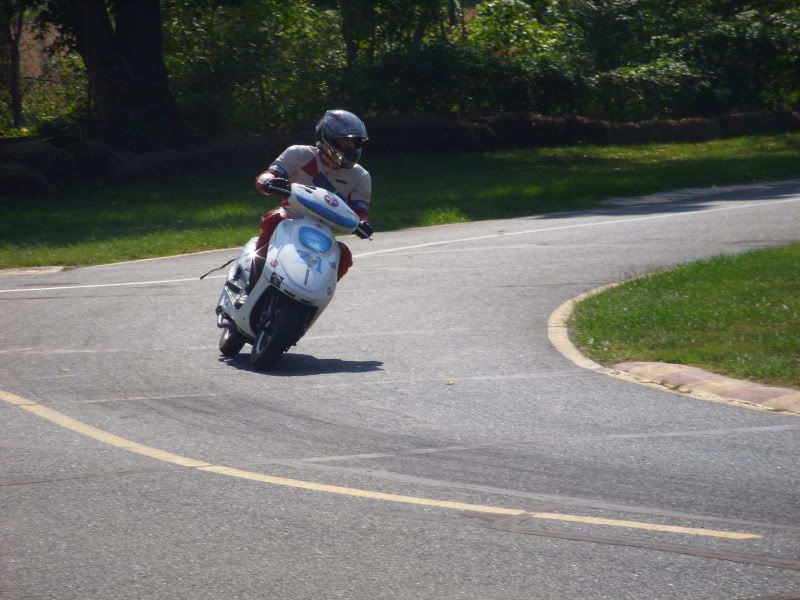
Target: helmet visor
350,142
348,148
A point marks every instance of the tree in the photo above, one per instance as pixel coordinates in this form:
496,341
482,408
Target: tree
11,24
646,58
252,66
382,35
372,27
120,43
749,51
358,29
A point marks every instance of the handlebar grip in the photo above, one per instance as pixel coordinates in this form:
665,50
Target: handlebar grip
362,234
279,190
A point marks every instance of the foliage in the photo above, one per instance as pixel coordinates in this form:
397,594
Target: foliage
373,28
657,58
530,54
246,66
751,56
503,59
253,65
54,97
12,21
447,78
509,29
665,87
56,101
408,24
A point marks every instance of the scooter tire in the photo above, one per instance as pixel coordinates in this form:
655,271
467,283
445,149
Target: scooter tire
285,326
230,342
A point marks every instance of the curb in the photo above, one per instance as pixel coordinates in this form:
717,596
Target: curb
31,270
678,379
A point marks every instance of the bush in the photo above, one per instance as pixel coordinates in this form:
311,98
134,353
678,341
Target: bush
445,78
662,88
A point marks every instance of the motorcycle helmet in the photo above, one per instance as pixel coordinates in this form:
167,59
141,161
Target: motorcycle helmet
336,125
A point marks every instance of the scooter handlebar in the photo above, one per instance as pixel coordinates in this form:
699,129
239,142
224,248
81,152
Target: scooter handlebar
278,190
362,234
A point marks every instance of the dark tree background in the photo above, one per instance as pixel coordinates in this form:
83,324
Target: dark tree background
11,24
120,43
172,72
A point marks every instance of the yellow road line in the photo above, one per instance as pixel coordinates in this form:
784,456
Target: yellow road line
358,493
94,433
640,525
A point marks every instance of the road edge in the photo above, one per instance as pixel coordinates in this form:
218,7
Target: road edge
558,334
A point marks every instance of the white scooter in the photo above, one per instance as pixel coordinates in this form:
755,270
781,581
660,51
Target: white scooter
296,284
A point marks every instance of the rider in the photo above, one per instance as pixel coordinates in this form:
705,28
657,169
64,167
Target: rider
331,164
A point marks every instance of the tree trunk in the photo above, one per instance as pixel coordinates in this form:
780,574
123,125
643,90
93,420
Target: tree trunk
358,29
134,107
10,35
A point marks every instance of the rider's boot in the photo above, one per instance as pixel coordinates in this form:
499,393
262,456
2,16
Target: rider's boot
255,268
268,224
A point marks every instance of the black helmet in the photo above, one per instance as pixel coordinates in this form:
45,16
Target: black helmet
337,124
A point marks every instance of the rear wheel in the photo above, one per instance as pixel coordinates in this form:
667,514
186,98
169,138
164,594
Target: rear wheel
282,324
230,342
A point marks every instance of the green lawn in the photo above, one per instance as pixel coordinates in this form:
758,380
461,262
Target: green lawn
91,223
735,315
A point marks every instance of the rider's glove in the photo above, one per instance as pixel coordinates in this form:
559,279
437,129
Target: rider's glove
278,184
364,230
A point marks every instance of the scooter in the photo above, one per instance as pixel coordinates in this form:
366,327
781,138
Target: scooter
296,284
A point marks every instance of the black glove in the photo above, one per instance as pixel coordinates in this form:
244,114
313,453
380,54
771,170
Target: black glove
279,185
364,230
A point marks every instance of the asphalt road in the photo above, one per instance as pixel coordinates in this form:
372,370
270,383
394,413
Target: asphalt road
424,440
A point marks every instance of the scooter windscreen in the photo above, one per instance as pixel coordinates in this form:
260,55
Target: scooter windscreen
324,205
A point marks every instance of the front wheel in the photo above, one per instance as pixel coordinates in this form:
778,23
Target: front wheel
230,342
284,323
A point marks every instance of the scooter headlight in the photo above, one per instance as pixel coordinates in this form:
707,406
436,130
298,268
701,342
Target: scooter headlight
315,240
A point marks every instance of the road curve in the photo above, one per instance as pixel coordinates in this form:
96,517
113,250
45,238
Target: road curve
425,440
679,379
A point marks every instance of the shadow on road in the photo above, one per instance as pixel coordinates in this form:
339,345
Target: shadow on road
694,199
302,365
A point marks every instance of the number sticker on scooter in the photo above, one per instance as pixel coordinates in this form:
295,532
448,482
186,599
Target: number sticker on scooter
311,260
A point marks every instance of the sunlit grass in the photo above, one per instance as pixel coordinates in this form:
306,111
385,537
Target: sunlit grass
442,216
736,315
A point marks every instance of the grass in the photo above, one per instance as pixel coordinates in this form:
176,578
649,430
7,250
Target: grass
109,221
734,315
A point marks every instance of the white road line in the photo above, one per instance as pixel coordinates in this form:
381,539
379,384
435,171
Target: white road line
105,285
579,226
439,243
